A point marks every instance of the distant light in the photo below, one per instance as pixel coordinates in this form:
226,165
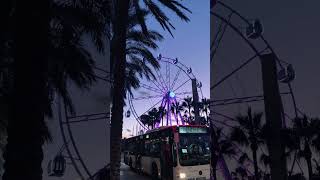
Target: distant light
171,94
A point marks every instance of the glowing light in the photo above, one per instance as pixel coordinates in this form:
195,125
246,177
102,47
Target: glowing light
182,175
171,94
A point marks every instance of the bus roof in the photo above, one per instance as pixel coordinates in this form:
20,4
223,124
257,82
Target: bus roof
166,127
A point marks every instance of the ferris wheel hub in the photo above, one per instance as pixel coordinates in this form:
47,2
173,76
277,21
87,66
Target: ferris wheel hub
171,94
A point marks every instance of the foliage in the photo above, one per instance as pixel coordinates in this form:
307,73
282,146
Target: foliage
250,133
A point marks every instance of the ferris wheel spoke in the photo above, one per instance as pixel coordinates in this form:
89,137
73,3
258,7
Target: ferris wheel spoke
223,115
154,105
176,78
87,119
161,81
219,38
223,123
158,85
182,93
150,88
102,70
146,97
237,69
167,75
169,78
182,85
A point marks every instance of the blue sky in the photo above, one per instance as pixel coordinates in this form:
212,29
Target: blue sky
190,44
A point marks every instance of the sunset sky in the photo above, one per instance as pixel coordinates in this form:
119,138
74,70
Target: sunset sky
191,44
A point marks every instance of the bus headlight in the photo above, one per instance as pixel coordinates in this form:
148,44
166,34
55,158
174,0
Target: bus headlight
182,175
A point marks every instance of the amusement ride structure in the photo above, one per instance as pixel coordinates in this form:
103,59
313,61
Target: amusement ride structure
176,81
237,81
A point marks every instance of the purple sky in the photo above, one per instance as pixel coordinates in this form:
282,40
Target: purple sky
190,45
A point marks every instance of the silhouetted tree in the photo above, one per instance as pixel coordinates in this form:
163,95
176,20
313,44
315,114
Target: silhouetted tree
306,133
43,50
176,109
150,118
118,49
187,104
220,147
249,133
205,109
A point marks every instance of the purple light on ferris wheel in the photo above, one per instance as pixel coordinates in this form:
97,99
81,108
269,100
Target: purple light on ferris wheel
169,117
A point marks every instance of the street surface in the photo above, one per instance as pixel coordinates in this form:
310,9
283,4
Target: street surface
127,174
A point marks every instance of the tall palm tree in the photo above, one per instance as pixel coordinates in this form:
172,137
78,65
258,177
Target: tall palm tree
306,133
249,133
187,104
45,55
205,109
176,109
118,49
317,166
162,113
150,118
220,147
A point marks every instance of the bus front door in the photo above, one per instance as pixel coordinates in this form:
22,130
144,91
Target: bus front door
166,160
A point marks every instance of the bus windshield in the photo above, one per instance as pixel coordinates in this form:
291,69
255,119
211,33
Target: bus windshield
194,149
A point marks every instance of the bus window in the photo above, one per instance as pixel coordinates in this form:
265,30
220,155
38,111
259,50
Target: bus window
147,148
194,149
155,149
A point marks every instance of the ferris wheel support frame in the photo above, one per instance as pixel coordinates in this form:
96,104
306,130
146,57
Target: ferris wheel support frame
257,53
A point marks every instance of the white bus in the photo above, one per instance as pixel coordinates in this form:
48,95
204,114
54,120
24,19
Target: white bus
170,153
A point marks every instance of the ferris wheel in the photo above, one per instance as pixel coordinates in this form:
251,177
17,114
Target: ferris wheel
163,95
78,156
237,45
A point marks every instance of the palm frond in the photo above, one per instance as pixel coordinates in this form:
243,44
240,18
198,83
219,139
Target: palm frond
265,159
243,158
175,7
239,136
160,16
141,17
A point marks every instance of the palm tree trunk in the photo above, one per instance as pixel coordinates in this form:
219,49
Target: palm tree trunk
24,155
214,168
255,162
189,109
309,164
119,59
308,156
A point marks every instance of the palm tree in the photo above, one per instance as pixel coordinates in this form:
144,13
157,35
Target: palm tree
240,171
151,118
317,166
45,52
250,133
146,119
220,147
162,112
176,108
306,133
187,104
121,14
205,109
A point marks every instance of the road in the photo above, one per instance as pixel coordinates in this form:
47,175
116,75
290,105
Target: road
127,174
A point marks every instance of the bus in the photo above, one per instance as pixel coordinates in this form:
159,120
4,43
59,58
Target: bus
170,153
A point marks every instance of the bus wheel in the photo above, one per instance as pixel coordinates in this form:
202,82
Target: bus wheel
154,172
